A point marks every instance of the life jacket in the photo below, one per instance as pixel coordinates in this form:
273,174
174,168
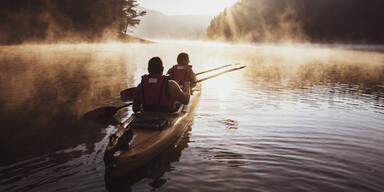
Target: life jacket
179,73
155,94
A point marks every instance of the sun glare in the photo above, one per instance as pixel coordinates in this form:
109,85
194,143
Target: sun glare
221,86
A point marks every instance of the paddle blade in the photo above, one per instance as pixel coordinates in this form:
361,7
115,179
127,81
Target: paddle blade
127,94
101,114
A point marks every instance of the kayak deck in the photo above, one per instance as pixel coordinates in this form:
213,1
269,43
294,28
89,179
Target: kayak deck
146,144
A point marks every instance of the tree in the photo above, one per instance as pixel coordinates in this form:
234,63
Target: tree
319,21
55,20
129,15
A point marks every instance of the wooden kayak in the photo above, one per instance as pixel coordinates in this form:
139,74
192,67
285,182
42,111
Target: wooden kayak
146,144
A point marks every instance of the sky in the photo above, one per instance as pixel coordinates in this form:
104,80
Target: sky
187,7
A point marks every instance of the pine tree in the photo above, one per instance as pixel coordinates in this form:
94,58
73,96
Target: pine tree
129,15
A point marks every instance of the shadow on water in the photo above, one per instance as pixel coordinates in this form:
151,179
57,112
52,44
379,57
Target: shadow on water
154,170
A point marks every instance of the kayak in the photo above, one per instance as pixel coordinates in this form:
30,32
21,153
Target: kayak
143,136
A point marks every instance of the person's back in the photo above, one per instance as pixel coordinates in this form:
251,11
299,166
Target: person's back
182,72
157,93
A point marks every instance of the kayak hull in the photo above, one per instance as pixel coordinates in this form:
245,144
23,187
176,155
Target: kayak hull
146,144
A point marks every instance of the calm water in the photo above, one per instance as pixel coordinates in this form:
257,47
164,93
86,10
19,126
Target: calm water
298,118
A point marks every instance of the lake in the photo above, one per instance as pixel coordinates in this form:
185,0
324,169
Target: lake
300,117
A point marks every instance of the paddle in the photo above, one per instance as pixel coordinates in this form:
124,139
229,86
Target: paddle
103,114
218,74
217,68
127,94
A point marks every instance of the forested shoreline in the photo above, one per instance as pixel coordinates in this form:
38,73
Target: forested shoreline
69,20
325,21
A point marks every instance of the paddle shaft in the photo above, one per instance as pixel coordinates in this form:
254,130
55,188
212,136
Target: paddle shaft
214,69
127,94
218,74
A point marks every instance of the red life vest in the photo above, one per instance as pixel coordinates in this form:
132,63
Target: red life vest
155,94
179,73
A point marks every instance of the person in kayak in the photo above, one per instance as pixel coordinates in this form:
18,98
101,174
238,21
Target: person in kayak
158,93
182,72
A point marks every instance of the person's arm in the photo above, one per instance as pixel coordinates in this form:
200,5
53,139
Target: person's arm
192,77
181,95
137,99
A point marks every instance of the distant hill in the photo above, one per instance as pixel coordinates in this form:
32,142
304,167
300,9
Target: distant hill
320,21
157,25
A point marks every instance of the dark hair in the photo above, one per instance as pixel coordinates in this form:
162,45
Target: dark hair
155,66
182,57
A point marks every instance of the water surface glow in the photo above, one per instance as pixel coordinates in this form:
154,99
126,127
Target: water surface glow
299,117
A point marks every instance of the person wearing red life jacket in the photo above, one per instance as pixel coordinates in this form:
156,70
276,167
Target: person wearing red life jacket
182,72
158,93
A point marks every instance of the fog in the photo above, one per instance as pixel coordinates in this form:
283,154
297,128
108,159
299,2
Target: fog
46,89
157,25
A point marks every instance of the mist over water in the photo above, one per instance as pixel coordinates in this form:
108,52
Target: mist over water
299,117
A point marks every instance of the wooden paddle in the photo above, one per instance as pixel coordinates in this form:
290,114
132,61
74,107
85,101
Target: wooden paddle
217,68
127,94
103,114
218,74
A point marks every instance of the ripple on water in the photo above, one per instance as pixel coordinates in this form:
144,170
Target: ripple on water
230,124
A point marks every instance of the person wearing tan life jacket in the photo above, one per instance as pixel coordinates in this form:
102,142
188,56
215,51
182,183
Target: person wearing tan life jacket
182,72
158,93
